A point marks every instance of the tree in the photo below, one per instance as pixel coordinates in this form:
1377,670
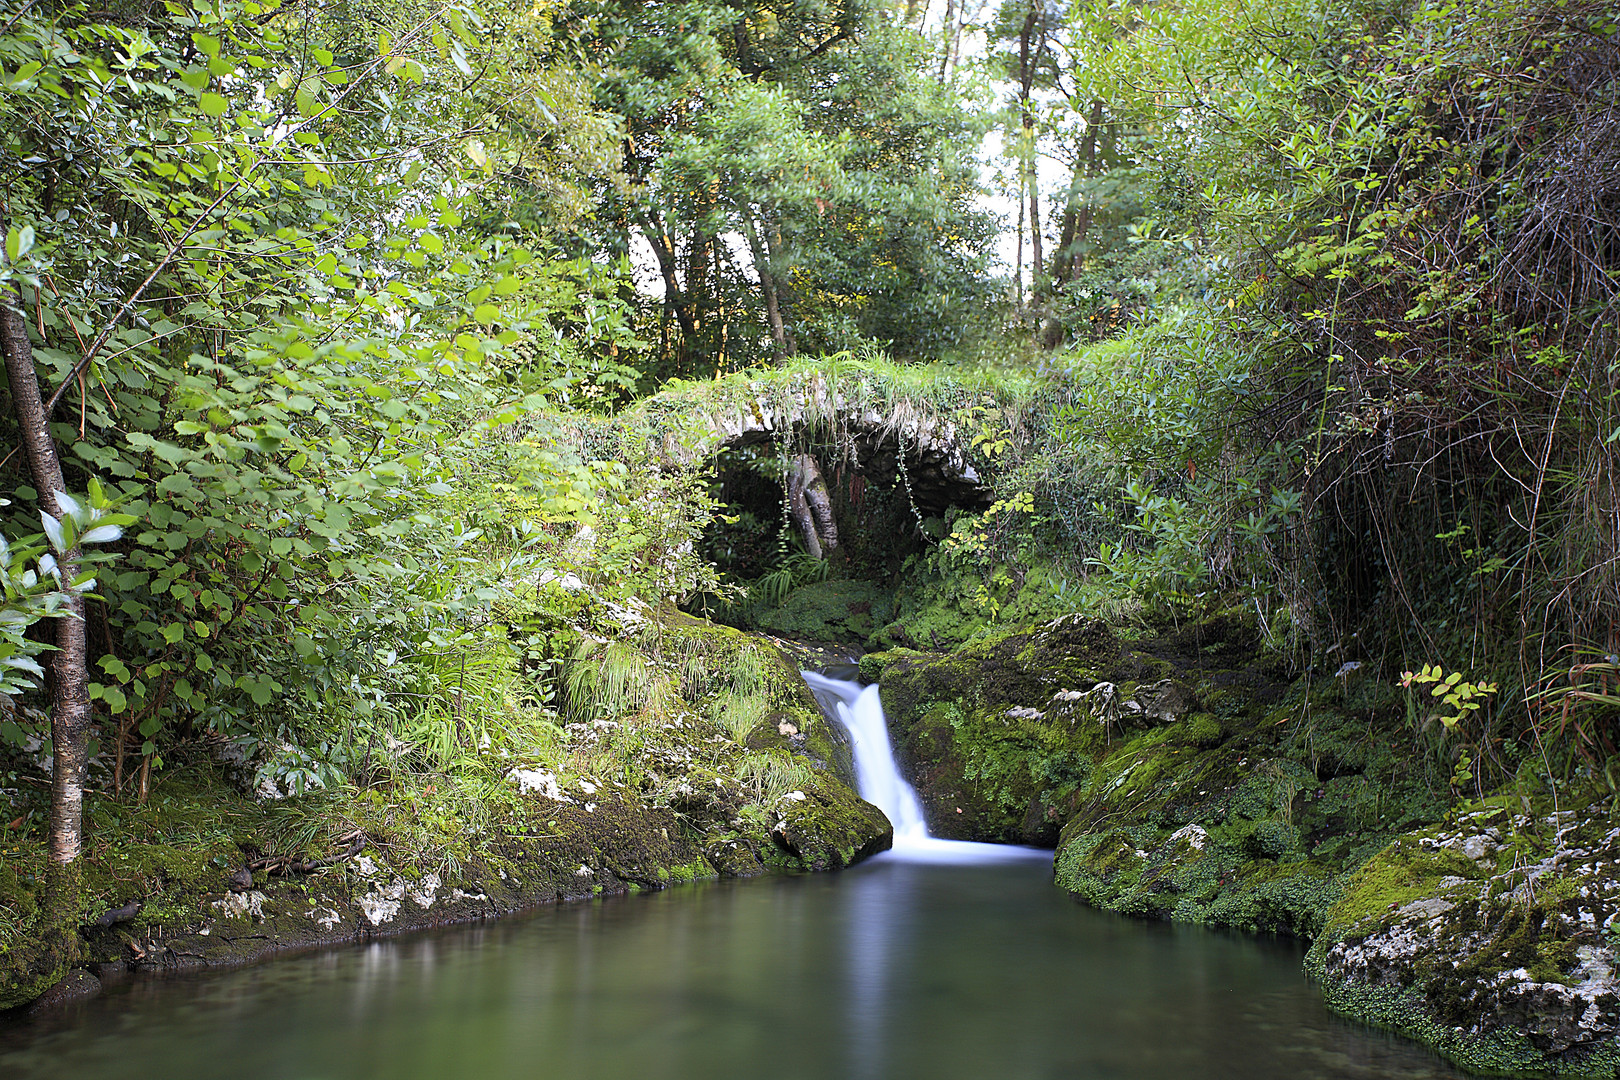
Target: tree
275,328
794,170
1028,27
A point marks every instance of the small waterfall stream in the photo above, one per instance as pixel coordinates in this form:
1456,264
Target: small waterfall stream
860,711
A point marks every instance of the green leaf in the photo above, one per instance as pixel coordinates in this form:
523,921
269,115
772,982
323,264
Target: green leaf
213,104
19,242
53,532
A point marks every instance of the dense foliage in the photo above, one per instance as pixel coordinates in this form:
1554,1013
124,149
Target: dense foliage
332,313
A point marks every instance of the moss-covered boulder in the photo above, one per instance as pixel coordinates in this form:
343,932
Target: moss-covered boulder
1180,775
826,826
1249,812
990,735
1490,936
842,611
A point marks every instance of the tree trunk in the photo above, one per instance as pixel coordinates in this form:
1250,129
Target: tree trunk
1026,78
810,506
1037,278
1018,255
674,295
768,290
70,683
1077,218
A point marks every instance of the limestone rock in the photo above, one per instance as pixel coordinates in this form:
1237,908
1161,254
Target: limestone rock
1500,930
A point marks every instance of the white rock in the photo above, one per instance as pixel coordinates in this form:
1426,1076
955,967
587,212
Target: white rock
1194,836
381,905
242,905
537,780
425,892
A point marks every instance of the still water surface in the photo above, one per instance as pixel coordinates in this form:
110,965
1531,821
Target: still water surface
891,971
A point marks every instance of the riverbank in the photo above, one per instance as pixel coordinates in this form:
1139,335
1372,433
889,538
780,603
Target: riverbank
1179,774
1183,777
814,975
735,774
177,906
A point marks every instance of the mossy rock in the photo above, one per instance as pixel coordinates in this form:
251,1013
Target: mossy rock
821,742
1489,936
1251,810
44,944
829,827
976,734
843,611
1022,667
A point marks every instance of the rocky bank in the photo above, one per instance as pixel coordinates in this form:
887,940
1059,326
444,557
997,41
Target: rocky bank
210,872
1180,777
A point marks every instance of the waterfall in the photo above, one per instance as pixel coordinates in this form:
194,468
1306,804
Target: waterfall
859,709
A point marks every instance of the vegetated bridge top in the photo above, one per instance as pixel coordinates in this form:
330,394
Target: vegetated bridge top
920,426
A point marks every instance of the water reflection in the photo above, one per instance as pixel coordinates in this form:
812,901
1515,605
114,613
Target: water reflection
894,970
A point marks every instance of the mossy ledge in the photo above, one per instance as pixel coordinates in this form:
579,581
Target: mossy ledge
1194,782
191,915
1489,935
207,875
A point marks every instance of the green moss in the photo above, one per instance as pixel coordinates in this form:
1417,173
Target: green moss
1405,1011
42,944
845,611
1202,730
1404,871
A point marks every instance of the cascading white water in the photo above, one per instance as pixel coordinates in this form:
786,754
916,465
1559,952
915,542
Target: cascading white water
859,709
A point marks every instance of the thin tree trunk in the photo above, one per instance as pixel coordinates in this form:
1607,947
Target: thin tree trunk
1018,256
674,295
784,291
767,288
1037,280
1026,78
917,13
70,683
1077,218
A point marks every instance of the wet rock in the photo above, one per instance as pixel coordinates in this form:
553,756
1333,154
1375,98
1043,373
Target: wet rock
827,827
1164,702
77,986
1488,930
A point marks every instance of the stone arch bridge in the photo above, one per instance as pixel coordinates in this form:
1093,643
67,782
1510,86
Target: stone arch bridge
926,446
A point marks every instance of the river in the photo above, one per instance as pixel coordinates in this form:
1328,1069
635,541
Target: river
938,960
891,970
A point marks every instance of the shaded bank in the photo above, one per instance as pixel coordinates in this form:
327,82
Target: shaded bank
1182,777
205,873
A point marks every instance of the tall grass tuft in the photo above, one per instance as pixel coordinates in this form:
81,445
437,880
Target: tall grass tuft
768,777
740,714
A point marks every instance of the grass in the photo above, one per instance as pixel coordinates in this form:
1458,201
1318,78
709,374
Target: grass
768,777
740,714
